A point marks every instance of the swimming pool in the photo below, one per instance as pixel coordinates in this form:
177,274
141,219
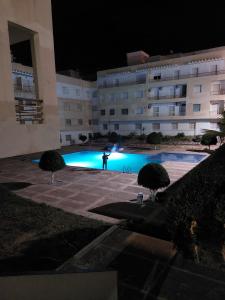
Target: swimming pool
125,162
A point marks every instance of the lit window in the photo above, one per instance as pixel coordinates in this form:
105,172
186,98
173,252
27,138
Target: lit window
196,107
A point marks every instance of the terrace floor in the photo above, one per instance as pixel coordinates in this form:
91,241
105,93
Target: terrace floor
78,190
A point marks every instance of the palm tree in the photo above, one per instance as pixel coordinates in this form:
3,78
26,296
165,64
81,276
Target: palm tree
221,132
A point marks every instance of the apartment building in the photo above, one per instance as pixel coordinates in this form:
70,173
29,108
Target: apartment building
169,94
75,100
28,21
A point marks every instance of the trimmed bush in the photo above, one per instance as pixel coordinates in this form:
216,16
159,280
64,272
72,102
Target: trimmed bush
51,161
82,138
153,176
208,140
113,137
154,138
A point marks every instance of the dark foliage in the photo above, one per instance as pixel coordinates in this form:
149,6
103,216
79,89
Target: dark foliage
82,138
113,137
154,138
153,176
199,195
51,161
208,140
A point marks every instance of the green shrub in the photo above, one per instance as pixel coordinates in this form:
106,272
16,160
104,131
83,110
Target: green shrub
180,135
153,176
154,138
51,161
208,140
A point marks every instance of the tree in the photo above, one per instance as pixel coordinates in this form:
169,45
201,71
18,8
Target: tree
82,138
113,137
51,161
153,176
208,139
221,132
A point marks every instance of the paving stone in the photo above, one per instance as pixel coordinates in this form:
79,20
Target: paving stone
60,193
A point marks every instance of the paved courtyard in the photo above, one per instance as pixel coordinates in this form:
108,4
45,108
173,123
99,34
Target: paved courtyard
78,190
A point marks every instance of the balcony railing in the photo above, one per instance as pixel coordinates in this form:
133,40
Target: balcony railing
29,111
170,114
114,85
158,97
219,92
24,88
177,77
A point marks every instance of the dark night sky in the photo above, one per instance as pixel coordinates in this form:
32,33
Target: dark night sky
95,35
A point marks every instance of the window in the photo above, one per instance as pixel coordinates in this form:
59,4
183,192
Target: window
171,110
139,110
80,122
94,94
116,126
95,121
155,126
192,125
65,90
124,95
174,125
88,93
124,111
157,77
19,84
197,88
78,92
196,107
117,82
112,112
102,112
89,122
138,126
66,106
139,94
68,122
79,107
140,78
105,127
155,111
68,137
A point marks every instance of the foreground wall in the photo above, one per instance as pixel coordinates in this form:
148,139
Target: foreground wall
34,18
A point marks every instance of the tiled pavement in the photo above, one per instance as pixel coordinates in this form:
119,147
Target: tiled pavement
79,191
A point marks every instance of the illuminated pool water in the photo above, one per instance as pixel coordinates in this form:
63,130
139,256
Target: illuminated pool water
125,162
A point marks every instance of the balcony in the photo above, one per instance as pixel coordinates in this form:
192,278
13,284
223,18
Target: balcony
178,77
158,97
219,92
121,84
24,88
29,111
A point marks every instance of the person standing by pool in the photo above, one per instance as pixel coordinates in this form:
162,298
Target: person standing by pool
104,161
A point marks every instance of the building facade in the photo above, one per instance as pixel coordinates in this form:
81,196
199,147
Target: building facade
168,94
171,94
75,99
31,124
